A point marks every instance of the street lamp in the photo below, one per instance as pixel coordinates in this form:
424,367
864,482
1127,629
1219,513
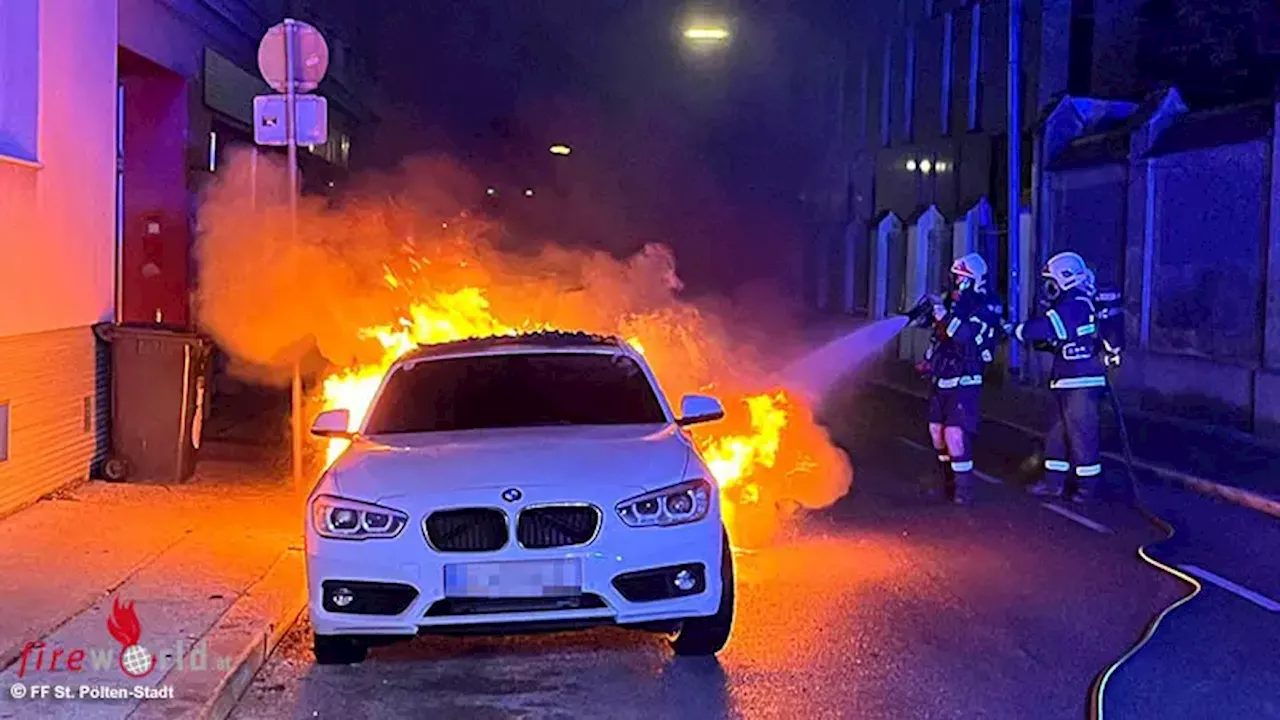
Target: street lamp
706,34
561,150
705,31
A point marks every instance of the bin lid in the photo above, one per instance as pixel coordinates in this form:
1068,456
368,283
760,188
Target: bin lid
108,332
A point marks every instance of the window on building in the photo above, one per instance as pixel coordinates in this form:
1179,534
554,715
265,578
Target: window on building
886,97
335,151
864,99
975,68
1080,49
948,69
19,77
909,92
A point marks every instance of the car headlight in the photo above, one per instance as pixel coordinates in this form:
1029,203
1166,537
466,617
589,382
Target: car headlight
687,502
343,519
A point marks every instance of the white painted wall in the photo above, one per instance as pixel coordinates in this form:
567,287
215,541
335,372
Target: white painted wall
57,217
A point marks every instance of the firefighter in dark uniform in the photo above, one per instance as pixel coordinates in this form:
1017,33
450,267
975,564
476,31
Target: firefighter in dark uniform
966,327
1069,326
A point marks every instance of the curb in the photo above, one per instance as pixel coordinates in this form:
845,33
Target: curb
1244,498
247,632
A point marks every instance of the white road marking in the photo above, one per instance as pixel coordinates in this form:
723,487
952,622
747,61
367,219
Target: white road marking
1076,517
925,448
1256,598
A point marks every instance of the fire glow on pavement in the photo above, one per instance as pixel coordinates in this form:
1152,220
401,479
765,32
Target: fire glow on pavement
389,271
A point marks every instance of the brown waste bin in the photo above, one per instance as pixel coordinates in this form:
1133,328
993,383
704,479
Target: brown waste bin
158,383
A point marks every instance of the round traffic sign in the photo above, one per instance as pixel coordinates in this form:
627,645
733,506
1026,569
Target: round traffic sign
310,57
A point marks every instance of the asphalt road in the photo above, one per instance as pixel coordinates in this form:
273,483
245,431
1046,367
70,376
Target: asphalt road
887,605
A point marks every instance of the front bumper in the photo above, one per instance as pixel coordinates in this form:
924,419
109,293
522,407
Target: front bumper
617,550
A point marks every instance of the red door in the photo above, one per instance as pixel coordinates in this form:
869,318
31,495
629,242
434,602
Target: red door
156,242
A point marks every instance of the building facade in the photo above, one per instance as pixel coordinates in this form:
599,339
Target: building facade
57,237
926,118
113,113
1170,204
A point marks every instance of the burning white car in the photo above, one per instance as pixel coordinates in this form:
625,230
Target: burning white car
518,484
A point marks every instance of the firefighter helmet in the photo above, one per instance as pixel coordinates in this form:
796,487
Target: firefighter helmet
1066,271
971,267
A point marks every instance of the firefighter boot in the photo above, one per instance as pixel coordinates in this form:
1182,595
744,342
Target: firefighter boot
1054,482
1087,481
947,489
962,479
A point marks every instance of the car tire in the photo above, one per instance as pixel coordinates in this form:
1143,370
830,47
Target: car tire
699,637
339,650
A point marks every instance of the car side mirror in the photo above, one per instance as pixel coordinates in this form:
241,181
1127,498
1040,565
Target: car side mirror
695,409
333,424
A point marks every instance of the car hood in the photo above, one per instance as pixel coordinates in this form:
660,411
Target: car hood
591,458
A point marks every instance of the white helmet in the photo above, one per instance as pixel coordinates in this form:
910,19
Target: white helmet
1066,271
972,267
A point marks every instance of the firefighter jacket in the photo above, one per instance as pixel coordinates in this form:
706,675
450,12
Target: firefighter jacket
1110,311
1069,329
964,341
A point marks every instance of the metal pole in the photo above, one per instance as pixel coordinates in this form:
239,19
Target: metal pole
291,130
1015,169
253,179
120,239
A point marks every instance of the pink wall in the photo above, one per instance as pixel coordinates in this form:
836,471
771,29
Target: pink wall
57,221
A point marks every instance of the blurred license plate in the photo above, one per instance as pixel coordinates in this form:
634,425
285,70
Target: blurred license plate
520,579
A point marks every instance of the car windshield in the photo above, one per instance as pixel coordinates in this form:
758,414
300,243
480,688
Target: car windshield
515,390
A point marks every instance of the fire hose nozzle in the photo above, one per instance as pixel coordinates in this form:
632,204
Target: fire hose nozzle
919,314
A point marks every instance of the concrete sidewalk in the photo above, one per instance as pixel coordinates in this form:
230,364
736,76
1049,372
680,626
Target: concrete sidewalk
1212,462
214,568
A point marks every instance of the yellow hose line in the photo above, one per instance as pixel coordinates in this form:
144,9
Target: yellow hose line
1100,687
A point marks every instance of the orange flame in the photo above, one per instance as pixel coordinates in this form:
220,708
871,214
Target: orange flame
371,278
742,452
123,623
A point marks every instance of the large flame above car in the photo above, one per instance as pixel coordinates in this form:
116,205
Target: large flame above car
742,452
384,273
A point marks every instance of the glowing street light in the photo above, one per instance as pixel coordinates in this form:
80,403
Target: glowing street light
561,150
706,33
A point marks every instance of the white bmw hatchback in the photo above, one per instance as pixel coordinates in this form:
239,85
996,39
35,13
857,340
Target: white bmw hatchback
514,485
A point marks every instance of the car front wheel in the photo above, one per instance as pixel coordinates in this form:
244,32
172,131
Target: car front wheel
339,650
708,635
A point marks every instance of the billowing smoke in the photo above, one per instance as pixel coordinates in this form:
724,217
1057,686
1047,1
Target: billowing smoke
401,257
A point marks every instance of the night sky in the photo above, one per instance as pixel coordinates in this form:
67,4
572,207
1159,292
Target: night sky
720,143
464,67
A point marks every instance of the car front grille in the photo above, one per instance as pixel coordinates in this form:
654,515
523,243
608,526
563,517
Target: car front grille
467,530
554,526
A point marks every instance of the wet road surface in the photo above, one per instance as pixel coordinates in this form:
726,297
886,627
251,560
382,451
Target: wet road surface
887,605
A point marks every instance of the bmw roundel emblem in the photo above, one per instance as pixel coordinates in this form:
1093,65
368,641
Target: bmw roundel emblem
512,494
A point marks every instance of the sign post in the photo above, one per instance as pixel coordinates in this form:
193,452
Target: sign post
293,58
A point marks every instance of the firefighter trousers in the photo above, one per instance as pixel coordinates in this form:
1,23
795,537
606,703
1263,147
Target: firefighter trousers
1072,452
